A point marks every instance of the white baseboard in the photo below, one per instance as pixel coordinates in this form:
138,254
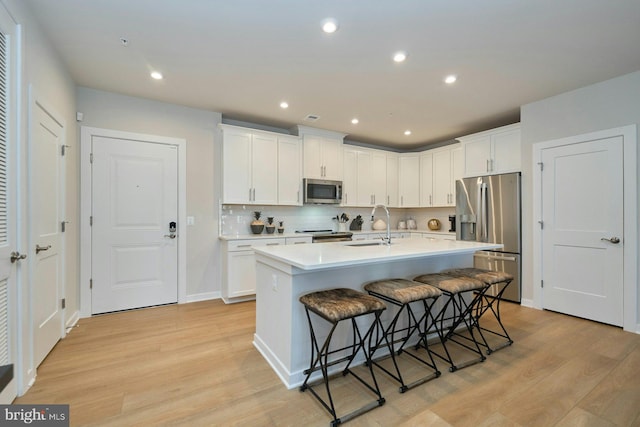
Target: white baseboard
527,303
203,296
72,320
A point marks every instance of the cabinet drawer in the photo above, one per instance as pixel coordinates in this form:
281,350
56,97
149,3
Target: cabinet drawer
245,245
298,240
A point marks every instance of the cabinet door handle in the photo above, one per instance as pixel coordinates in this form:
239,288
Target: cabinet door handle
388,201
243,246
401,200
273,244
487,165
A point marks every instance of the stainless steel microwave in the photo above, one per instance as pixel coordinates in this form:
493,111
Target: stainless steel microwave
322,191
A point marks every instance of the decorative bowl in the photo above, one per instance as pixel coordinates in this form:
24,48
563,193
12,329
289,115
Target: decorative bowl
434,224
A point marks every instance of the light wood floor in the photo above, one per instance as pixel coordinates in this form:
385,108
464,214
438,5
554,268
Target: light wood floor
195,365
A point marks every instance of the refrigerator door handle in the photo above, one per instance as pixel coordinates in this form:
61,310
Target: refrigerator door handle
483,212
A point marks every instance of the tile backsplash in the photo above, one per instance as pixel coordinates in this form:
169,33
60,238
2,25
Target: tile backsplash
236,219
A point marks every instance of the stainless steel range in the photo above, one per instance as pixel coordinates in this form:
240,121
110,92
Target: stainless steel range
325,236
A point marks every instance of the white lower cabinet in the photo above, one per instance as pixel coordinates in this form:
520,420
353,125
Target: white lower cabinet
239,269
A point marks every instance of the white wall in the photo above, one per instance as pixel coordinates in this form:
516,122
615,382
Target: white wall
199,128
609,104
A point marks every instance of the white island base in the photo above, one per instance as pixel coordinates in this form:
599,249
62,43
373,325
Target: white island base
285,273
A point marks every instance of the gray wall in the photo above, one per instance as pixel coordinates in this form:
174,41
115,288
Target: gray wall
609,104
200,129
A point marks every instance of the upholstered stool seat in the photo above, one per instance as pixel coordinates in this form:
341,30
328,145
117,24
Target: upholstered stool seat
401,293
489,303
456,288
334,306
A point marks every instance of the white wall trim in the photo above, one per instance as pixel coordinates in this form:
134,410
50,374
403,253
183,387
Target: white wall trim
205,296
86,136
630,237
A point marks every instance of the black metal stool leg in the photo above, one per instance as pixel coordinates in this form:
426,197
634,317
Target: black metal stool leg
355,304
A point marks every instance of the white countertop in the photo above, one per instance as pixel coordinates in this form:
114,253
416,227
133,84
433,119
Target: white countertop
340,254
277,235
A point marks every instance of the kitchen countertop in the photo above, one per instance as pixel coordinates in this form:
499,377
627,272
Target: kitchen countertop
341,254
276,235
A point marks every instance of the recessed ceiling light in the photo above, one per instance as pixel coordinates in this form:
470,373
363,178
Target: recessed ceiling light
450,79
284,105
400,56
157,75
355,121
407,132
329,25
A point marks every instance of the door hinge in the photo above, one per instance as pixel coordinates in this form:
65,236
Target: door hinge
542,283
63,149
541,224
90,157
64,303
541,166
90,283
91,221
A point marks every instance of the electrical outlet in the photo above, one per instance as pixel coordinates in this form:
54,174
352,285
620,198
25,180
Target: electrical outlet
274,282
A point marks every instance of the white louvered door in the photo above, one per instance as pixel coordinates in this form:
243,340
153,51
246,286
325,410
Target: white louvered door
8,202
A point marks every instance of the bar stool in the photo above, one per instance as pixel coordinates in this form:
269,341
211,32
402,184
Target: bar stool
401,293
498,279
456,289
335,305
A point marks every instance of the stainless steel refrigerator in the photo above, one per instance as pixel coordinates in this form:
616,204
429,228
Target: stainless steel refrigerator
488,210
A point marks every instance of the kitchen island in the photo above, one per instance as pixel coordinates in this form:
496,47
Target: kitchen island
284,273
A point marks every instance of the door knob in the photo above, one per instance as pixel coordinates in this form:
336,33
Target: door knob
171,236
16,256
613,240
42,248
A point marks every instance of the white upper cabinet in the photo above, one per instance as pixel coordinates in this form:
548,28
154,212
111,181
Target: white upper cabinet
289,171
250,165
378,178
322,152
492,152
350,178
364,177
426,179
392,180
447,168
409,180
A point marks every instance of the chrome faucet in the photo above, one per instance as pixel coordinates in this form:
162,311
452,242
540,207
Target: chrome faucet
387,240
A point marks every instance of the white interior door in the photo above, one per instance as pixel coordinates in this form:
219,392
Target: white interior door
582,214
134,254
46,166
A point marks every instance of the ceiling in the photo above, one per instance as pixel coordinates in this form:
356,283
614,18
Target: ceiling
243,57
